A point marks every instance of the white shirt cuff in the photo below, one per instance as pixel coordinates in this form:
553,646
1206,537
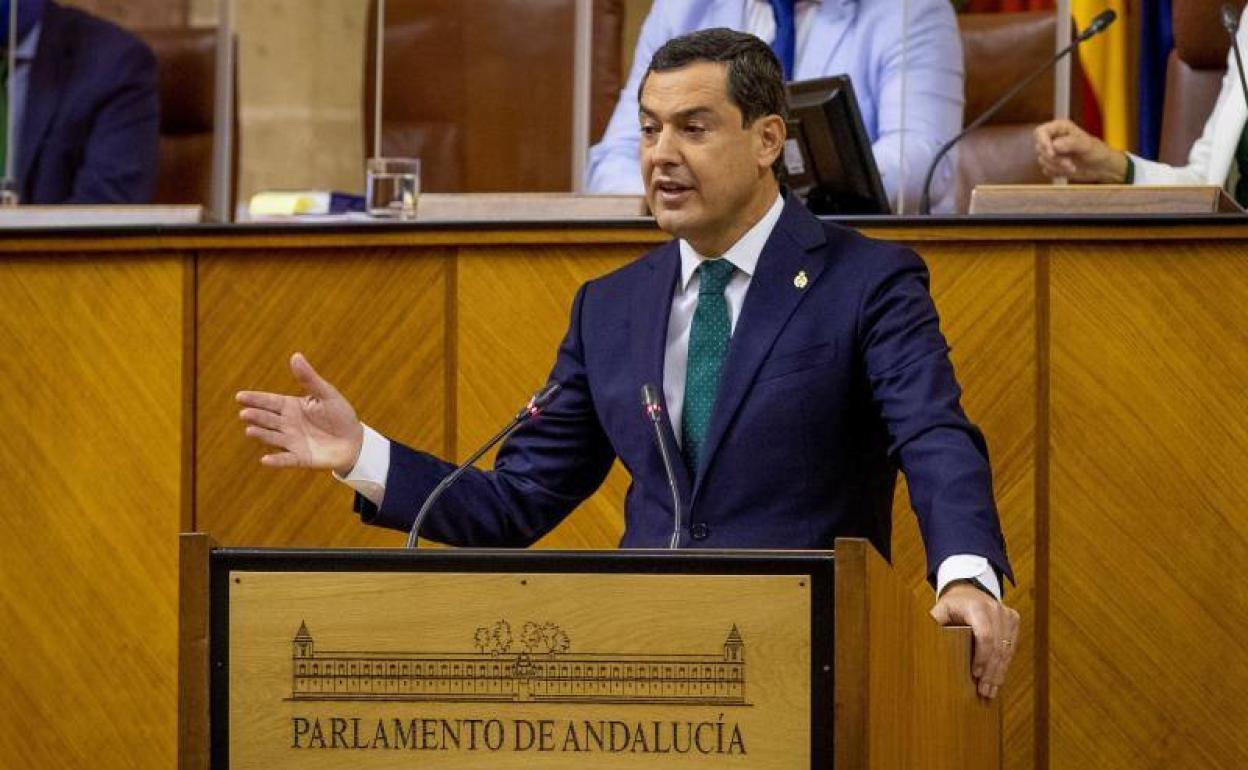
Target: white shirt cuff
368,477
967,567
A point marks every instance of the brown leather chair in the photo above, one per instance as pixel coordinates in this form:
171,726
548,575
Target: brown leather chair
1193,75
998,50
481,92
186,64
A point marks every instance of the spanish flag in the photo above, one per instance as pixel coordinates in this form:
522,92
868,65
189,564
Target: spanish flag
1104,59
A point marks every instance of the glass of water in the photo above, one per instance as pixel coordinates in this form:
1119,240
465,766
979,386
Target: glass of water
392,187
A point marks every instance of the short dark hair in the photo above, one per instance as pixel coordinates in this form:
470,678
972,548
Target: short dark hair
755,78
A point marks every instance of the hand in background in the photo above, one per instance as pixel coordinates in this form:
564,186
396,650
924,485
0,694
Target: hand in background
994,625
1063,149
318,430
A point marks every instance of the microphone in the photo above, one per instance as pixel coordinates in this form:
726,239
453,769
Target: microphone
654,410
1098,25
1230,20
536,404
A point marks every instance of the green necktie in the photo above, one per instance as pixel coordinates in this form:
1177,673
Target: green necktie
708,345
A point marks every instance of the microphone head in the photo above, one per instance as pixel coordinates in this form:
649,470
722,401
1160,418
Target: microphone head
1230,19
650,396
539,400
1098,25
650,403
544,396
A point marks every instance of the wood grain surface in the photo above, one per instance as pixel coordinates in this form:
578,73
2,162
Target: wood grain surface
91,373
434,615
1105,365
1055,200
194,661
902,698
987,305
1148,494
372,322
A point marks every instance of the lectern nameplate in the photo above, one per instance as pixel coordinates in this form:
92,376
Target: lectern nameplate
450,669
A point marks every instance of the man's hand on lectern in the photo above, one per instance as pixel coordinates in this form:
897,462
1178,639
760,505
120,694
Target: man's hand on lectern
317,430
1063,149
994,626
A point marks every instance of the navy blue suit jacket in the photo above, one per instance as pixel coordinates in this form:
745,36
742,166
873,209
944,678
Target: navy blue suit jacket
826,390
92,126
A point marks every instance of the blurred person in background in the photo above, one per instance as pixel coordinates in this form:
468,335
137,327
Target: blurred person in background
865,39
86,117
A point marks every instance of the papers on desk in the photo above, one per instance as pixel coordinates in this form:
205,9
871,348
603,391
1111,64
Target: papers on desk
294,203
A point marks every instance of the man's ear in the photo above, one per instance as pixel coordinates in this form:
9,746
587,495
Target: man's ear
770,133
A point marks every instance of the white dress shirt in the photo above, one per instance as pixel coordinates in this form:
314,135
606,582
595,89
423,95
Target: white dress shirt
368,477
744,257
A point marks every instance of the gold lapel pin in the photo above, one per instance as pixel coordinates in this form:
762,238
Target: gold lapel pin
800,280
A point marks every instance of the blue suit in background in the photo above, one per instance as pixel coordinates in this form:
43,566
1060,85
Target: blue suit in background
865,39
91,129
829,384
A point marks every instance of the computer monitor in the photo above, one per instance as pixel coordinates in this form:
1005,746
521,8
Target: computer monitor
827,155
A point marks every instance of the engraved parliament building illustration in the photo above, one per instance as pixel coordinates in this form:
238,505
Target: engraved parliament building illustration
537,667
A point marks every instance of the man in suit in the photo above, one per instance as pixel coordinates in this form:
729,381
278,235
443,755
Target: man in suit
1066,150
86,115
799,361
868,40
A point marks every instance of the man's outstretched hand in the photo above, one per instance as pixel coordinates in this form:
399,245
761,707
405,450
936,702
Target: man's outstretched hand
317,430
994,626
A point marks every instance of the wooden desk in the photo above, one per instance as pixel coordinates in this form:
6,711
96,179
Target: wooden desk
1105,361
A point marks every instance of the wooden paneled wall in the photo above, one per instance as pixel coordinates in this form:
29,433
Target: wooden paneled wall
1148,503
92,355
1106,367
370,319
987,302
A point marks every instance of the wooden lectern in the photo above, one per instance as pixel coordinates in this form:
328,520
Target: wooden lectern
568,659
1054,199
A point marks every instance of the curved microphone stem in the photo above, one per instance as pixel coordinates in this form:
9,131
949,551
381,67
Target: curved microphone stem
654,410
1098,24
455,474
531,410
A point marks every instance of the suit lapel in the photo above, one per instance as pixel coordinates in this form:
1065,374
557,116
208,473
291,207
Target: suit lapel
649,313
769,302
44,91
831,22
